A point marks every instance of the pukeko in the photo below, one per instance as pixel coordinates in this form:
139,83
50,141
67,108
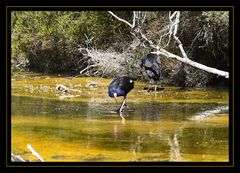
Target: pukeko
152,67
121,86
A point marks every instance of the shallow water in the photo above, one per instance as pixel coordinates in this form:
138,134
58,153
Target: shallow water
171,125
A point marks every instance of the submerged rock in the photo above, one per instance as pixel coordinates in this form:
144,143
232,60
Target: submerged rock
92,85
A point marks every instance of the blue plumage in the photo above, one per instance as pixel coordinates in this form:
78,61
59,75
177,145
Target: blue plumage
152,66
119,92
143,60
121,87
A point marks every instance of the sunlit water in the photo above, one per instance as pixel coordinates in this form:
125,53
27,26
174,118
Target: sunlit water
171,125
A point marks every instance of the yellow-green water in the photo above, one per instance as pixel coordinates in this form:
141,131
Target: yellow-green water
170,125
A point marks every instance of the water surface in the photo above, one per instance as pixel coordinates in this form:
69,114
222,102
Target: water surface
171,125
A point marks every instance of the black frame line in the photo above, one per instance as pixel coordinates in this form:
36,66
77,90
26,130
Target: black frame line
231,160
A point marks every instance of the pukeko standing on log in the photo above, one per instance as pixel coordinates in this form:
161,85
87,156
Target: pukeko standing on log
152,68
121,86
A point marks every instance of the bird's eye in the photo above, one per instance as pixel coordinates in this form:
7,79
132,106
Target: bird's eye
130,81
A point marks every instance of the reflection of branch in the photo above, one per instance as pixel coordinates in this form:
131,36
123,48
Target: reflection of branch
205,114
174,148
68,96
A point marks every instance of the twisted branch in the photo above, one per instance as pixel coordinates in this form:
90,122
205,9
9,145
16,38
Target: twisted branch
172,32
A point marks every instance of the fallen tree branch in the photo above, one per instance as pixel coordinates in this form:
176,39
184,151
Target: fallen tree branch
193,63
94,65
34,152
66,89
123,19
180,46
161,51
15,158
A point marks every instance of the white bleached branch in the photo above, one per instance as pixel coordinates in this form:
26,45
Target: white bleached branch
34,152
134,19
15,157
88,67
59,86
173,31
120,19
193,63
176,38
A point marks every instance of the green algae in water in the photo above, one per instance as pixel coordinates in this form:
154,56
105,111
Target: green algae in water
159,126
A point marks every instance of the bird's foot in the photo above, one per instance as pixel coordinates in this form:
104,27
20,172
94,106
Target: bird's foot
121,115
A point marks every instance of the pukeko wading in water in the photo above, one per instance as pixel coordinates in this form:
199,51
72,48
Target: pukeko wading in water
152,68
121,86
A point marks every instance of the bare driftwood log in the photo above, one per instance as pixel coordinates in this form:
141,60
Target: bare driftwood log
34,152
173,28
67,90
18,158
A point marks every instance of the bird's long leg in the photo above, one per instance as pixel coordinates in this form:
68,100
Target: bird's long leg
155,87
122,106
121,109
149,85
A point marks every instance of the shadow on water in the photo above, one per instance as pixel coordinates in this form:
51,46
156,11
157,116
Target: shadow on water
152,132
